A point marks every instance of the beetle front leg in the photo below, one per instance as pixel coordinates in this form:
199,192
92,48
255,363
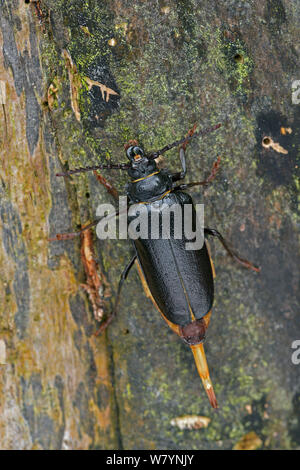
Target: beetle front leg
209,179
244,262
117,302
181,175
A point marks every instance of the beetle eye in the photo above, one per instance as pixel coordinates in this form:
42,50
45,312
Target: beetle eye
129,152
137,151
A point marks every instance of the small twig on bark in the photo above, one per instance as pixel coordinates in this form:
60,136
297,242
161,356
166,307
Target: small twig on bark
96,284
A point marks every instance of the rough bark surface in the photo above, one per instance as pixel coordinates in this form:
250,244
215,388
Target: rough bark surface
169,64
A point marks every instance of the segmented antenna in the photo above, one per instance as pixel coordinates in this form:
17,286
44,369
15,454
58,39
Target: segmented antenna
154,155
108,166
151,156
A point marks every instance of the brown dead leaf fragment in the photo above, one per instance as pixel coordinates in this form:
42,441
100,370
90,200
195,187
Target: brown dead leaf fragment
250,441
104,89
191,422
96,285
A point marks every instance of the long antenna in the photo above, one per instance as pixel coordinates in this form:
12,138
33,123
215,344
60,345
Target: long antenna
154,155
108,166
151,156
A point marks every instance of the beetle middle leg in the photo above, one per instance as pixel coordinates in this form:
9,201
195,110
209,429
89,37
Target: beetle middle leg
109,187
70,235
117,302
244,262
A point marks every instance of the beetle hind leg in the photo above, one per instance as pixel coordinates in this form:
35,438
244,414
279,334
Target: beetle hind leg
118,297
244,262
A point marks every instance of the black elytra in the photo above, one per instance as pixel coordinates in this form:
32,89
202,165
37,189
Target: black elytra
180,280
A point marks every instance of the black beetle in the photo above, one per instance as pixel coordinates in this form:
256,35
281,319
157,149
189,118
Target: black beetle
178,281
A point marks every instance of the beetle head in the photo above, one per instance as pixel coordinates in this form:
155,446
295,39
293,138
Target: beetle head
135,153
194,332
140,165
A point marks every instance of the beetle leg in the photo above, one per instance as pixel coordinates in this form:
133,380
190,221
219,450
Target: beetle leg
244,262
208,180
117,302
70,235
110,188
181,174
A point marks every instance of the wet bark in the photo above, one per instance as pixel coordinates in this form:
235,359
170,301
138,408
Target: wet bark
78,80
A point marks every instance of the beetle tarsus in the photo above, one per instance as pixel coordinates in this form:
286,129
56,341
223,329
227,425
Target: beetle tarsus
71,235
64,236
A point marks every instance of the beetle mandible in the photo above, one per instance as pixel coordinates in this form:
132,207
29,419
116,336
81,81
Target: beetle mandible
178,281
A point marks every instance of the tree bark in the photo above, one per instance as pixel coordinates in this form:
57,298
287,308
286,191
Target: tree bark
78,79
